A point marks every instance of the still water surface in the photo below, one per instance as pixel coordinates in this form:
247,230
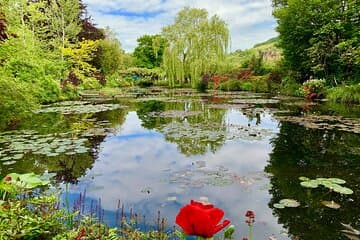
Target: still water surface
156,151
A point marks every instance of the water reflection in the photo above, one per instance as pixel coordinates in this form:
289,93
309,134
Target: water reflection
204,146
298,151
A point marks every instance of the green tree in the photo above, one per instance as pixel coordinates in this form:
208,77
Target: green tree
195,45
63,23
109,57
149,52
320,38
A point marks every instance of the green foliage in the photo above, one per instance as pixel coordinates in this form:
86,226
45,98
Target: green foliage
231,85
255,84
136,74
30,217
290,87
145,83
320,38
80,57
69,92
109,57
345,94
149,52
195,45
15,100
89,83
115,81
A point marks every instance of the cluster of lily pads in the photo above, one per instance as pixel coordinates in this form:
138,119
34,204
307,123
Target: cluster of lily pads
212,132
200,176
333,184
174,113
255,101
15,146
324,122
78,107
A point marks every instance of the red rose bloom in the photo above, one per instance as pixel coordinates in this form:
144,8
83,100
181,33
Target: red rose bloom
201,220
250,214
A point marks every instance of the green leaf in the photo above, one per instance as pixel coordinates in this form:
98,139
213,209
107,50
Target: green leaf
337,180
304,178
228,233
310,184
289,203
278,205
343,190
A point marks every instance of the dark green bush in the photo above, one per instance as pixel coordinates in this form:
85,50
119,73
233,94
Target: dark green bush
231,85
290,87
145,83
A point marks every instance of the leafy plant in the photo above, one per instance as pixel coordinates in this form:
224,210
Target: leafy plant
334,184
345,94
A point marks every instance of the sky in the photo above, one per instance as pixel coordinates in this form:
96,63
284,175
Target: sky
249,21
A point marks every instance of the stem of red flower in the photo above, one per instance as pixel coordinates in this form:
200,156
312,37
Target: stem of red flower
250,232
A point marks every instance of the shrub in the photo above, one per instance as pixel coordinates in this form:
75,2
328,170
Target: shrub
202,85
290,87
115,81
145,83
258,84
90,83
69,92
345,94
15,101
314,88
231,85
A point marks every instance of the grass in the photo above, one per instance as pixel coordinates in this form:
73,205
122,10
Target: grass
345,94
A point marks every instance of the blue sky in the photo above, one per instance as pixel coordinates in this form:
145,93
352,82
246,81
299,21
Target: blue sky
249,21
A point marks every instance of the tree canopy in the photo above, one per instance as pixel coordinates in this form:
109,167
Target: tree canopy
195,45
320,38
149,52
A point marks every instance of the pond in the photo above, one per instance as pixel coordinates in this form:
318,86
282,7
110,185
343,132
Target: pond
151,151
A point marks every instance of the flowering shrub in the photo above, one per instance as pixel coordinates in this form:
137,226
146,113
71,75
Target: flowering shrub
201,219
314,88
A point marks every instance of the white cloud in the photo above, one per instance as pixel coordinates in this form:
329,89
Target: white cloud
249,21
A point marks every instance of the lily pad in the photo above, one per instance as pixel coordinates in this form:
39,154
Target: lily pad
278,205
331,204
304,179
343,190
79,108
337,180
310,184
331,183
289,203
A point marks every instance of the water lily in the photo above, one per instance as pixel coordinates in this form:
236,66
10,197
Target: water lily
202,220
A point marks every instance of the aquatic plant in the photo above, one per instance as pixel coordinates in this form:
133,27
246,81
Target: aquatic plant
333,184
283,203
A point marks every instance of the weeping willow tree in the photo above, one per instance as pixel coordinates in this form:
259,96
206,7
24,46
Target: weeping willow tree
196,45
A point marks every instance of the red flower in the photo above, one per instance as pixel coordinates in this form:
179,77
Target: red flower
7,178
81,234
250,214
201,220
